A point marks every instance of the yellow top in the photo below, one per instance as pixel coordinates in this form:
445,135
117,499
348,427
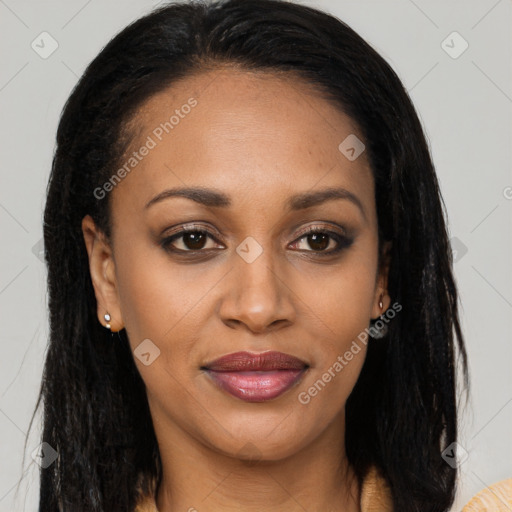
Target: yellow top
376,497
495,498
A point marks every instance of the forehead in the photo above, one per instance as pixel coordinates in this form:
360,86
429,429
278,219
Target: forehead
252,134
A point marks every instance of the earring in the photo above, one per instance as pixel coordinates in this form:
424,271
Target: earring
377,331
107,319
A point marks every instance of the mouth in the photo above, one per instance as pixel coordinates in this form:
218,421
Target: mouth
256,377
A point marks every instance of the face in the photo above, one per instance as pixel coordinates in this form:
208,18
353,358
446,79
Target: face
249,277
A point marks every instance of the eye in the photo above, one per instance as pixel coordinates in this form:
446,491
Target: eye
319,239
192,240
195,240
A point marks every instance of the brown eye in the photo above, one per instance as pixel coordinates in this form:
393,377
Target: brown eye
194,240
319,240
191,240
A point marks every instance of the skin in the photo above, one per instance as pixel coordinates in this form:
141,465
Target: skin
259,138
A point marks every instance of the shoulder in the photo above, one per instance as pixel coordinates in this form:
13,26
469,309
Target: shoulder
146,504
495,498
375,493
376,497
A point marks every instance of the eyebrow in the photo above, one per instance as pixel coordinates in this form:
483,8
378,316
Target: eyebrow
213,198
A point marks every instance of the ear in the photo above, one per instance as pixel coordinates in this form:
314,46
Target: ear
103,276
381,285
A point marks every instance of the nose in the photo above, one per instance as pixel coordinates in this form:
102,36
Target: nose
258,295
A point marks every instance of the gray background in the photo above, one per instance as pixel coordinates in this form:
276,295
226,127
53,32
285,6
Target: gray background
465,105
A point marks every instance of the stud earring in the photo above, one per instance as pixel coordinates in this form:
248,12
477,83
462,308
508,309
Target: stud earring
379,327
107,319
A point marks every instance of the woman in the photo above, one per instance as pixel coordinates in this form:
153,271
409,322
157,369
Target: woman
252,301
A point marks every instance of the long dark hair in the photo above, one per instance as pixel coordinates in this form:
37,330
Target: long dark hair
402,412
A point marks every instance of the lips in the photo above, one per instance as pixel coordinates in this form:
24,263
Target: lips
256,377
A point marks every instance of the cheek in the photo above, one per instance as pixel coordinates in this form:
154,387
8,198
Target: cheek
168,304
340,297
338,310
343,307
155,294
159,303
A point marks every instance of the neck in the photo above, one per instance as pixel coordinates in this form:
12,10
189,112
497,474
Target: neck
198,478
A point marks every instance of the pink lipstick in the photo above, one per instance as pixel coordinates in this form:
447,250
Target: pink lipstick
256,377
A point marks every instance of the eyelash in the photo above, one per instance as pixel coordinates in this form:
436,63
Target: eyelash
342,241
